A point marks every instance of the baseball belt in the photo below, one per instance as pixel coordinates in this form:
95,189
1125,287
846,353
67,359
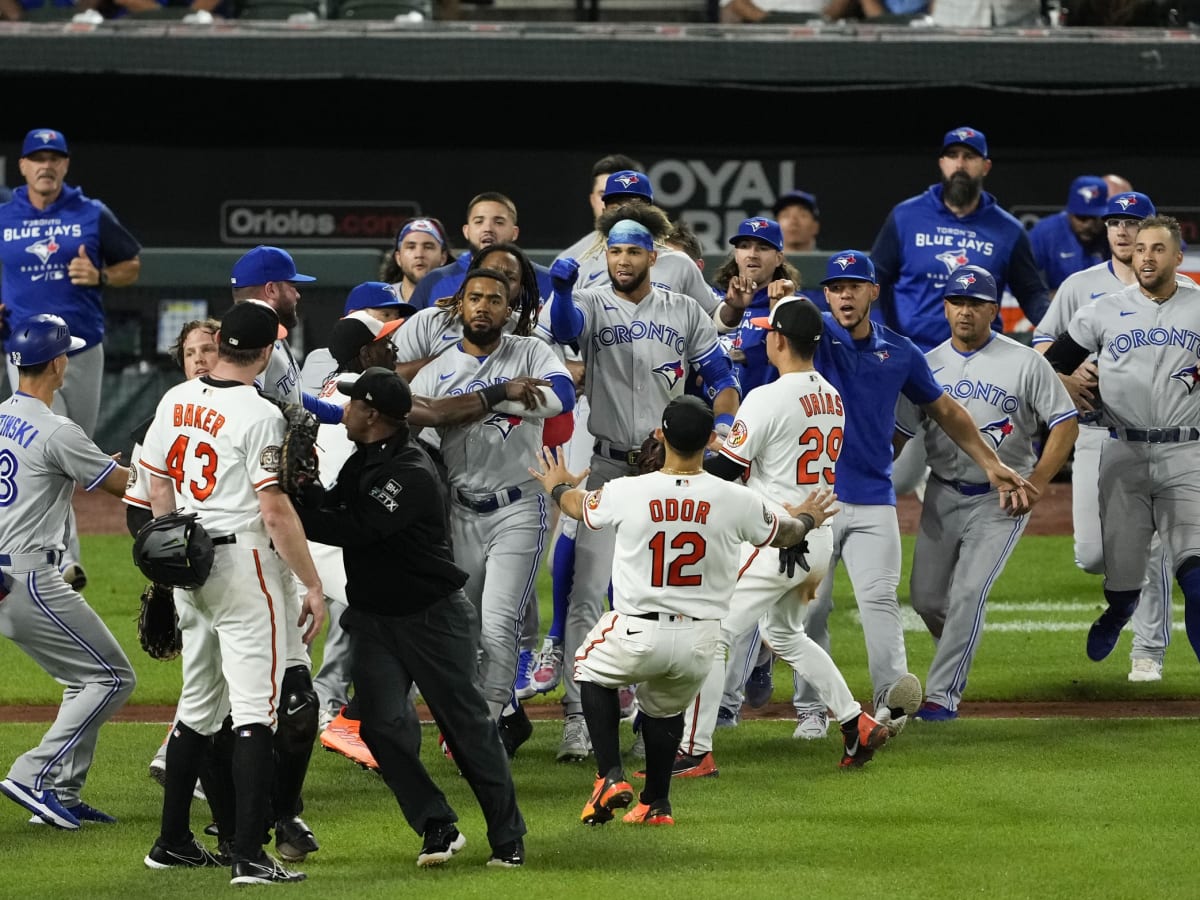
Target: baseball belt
1155,435
491,502
33,558
629,457
966,488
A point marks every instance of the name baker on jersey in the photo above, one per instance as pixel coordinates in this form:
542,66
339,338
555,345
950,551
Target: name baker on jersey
611,335
36,230
17,430
968,389
1155,337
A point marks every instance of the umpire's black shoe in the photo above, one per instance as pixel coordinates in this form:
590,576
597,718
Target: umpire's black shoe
192,855
263,870
294,839
515,730
442,841
508,856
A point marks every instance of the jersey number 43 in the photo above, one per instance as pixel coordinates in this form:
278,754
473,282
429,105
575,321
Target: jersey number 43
177,458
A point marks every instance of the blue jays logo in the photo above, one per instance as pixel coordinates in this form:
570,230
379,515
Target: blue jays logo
757,225
1188,377
1126,202
952,259
46,136
881,355
627,180
1088,192
996,432
504,423
845,261
964,133
671,371
43,249
965,281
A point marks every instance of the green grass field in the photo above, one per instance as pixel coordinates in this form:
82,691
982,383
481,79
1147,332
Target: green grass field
1005,808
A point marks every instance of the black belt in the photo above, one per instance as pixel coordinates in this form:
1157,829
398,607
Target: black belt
33,557
663,617
966,488
224,539
1155,435
629,457
492,503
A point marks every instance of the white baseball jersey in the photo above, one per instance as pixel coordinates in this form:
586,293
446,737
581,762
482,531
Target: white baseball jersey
789,434
673,270
637,357
493,453
219,443
678,540
42,457
1147,356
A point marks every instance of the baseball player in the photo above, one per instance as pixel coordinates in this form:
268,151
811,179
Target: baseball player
42,457
785,445
498,519
678,534
638,343
629,195
1152,618
871,366
1145,338
214,449
965,536
420,248
378,299
1072,239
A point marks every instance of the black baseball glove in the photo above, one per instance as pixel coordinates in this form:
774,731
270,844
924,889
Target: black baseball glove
793,556
298,465
651,456
157,624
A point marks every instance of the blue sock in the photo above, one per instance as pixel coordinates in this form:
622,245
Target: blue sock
562,575
1189,582
1122,603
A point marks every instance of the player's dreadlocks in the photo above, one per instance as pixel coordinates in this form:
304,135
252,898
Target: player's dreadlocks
527,301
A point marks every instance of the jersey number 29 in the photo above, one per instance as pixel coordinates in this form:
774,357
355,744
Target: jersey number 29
817,444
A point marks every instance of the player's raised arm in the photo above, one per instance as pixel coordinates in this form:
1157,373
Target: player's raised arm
559,482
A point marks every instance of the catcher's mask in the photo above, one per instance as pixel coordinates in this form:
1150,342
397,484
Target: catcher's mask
174,549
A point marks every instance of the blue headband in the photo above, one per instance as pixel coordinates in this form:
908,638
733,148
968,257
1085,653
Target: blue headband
628,231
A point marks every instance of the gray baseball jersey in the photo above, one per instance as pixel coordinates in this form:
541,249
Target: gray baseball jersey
964,539
637,357
432,331
281,378
42,457
674,270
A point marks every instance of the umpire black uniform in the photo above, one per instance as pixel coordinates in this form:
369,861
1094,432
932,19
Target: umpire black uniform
408,620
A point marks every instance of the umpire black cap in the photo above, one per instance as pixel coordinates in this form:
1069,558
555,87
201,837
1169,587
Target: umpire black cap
381,389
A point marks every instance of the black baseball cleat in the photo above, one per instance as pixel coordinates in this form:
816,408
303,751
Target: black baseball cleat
515,730
442,841
192,855
508,856
294,839
263,870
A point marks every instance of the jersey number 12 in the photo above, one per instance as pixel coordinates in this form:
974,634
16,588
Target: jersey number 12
691,546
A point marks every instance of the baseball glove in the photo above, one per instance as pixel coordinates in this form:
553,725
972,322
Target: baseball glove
651,456
298,465
157,624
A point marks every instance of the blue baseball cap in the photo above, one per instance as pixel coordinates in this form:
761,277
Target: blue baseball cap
263,264
968,137
1088,196
1129,205
849,265
628,183
797,198
45,139
974,282
376,295
765,230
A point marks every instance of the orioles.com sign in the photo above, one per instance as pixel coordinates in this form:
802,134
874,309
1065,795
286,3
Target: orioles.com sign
314,222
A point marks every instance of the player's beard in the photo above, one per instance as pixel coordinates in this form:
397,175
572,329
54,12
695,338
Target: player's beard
482,337
631,285
960,189
1156,282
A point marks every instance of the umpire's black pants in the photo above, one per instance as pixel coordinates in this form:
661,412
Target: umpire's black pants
436,648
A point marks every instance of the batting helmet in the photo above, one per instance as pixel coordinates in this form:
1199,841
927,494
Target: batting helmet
973,282
174,549
40,339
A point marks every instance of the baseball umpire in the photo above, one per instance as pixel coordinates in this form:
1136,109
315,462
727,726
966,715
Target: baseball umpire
389,495
42,457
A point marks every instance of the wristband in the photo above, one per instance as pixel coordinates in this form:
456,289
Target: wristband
493,394
102,278
809,522
558,490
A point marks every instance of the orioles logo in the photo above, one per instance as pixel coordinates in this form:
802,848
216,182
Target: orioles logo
43,249
738,434
592,500
997,431
671,371
504,423
1188,376
952,259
